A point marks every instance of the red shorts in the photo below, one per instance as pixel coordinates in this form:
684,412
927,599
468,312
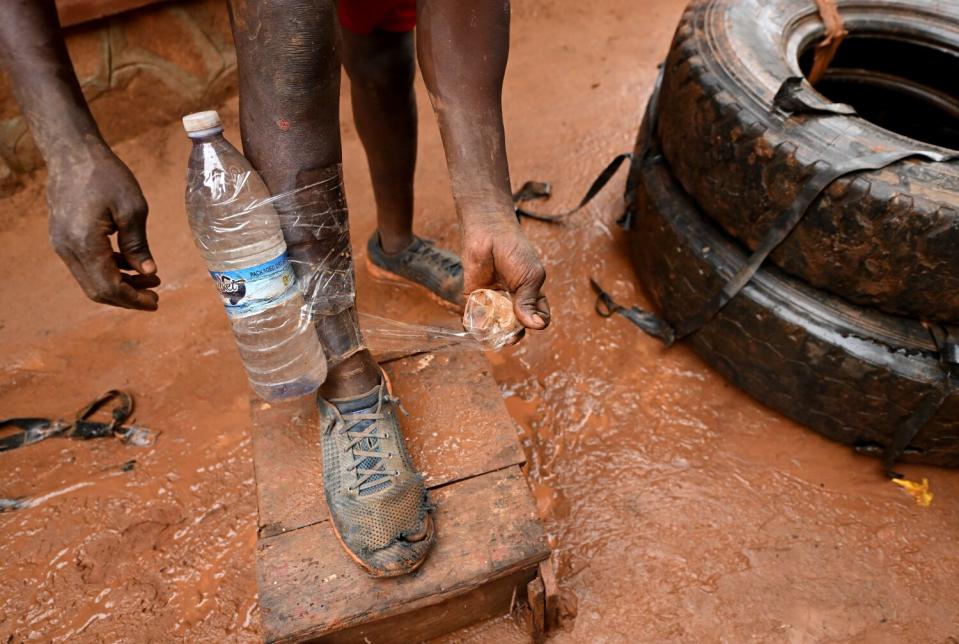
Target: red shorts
364,16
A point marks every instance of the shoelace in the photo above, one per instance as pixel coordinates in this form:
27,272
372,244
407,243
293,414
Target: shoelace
444,261
370,432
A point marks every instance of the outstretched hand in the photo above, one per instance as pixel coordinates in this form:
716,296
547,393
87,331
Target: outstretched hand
497,254
90,198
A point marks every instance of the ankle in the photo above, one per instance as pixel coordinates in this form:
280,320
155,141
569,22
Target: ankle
395,242
354,376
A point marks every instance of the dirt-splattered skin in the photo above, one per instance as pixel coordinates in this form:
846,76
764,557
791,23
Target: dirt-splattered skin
289,89
679,510
91,193
289,70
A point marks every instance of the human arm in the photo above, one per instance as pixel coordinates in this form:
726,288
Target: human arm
462,47
91,194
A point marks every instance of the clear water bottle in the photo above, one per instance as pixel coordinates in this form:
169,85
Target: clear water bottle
237,230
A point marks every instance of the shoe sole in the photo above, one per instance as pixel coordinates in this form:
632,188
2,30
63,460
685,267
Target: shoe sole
384,274
373,572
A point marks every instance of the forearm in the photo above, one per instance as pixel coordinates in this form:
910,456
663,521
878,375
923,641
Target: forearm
44,82
462,47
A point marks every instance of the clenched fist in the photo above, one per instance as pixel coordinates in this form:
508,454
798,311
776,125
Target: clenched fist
497,254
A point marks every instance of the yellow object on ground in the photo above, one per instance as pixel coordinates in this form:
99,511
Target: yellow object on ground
919,491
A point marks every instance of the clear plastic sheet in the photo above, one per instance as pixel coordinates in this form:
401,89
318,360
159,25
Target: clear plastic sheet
488,325
284,267
388,338
316,229
488,316
315,225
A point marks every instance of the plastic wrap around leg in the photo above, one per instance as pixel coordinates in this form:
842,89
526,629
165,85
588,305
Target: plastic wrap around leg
316,229
340,334
316,226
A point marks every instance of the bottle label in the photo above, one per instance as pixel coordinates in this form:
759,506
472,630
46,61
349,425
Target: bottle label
248,291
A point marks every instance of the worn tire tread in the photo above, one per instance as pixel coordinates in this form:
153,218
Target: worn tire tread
852,374
864,238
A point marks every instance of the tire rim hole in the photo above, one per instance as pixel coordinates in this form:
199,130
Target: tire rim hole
904,86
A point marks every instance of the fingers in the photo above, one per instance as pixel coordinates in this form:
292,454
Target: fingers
519,335
96,268
122,263
131,219
107,285
529,302
141,282
90,201
505,259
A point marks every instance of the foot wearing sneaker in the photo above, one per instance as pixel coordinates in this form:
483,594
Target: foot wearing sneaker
437,270
377,500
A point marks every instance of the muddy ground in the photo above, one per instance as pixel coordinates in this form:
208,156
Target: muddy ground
678,508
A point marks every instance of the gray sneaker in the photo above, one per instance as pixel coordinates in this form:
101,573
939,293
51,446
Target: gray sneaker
438,271
377,500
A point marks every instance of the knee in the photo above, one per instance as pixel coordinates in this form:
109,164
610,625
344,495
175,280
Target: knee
286,53
385,72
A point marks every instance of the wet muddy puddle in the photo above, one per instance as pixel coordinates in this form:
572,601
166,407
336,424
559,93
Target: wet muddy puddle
678,509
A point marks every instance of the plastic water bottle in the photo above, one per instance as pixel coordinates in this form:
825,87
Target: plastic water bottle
237,231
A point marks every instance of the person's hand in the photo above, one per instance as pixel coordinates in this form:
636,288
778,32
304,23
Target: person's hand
92,195
496,254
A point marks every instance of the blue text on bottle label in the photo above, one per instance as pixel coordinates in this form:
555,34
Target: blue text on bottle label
249,291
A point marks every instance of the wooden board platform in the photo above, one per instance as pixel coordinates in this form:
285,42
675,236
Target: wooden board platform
490,541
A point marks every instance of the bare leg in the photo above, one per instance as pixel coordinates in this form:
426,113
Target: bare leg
289,73
382,66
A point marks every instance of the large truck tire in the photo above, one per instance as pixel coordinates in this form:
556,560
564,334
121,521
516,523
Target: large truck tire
884,238
853,374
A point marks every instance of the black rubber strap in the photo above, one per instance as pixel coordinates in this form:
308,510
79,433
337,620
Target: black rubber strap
121,411
644,147
34,430
793,97
822,177
541,190
29,430
946,339
781,229
9,505
907,431
649,322
87,429
533,190
797,96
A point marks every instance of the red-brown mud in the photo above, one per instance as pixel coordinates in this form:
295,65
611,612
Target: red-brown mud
679,509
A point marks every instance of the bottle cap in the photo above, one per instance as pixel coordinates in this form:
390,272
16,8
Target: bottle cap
199,121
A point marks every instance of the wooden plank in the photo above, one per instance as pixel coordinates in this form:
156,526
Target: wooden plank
550,595
457,427
487,529
288,465
458,424
536,596
75,12
488,601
